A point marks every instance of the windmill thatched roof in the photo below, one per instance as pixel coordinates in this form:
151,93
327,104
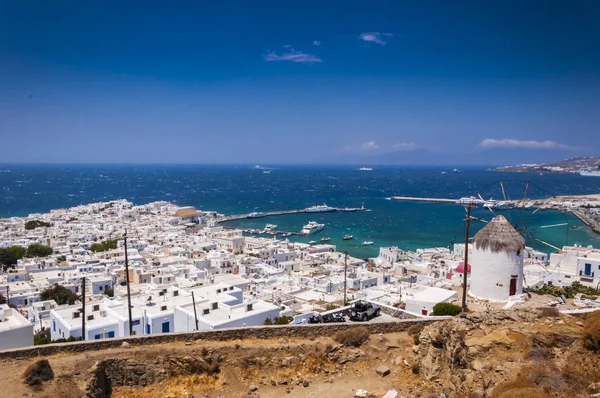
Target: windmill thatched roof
499,236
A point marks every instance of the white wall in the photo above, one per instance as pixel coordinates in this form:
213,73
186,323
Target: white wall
491,274
16,338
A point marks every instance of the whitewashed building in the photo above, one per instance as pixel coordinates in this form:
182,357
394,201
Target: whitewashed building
15,330
497,261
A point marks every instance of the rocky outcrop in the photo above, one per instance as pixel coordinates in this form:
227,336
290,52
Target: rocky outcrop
115,372
38,372
480,350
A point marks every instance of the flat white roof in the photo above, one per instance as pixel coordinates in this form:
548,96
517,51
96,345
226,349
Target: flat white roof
12,319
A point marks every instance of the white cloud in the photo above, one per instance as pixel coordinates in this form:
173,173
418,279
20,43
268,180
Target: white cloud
316,43
368,146
373,148
292,55
490,143
375,37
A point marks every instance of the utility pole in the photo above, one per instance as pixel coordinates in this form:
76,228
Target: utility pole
345,272
127,281
195,314
83,309
466,262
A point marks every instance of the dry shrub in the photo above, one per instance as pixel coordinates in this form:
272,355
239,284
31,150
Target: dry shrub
538,353
354,337
549,312
415,368
591,332
415,331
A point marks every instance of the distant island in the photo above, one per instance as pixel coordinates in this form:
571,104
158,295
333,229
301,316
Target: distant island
573,165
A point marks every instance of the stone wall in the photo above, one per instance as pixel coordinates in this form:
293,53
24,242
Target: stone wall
258,332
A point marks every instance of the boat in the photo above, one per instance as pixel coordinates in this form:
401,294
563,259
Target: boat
311,228
498,205
455,170
470,201
366,169
286,234
590,173
256,214
349,209
325,239
269,228
266,171
319,209
312,242
348,237
367,243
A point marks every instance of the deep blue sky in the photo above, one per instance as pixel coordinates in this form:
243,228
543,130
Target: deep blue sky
437,82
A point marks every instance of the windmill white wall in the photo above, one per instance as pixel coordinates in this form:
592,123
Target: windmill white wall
492,272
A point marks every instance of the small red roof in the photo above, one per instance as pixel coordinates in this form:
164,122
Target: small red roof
461,268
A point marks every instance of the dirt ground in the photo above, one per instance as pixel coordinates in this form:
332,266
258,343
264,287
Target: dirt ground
325,376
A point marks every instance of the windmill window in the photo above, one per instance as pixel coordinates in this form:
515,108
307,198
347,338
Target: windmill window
518,252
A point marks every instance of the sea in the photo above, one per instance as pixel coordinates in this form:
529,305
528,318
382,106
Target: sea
239,189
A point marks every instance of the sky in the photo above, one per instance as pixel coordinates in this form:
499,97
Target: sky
274,82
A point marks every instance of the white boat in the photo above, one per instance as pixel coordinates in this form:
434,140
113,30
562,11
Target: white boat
367,243
319,209
267,172
470,201
498,205
269,228
455,170
311,228
590,173
366,169
325,239
312,242
348,237
256,214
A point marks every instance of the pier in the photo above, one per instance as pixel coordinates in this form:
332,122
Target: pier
285,212
436,200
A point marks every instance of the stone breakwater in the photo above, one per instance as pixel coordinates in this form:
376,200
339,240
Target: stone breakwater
258,332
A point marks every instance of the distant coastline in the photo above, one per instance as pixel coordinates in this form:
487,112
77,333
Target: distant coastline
572,165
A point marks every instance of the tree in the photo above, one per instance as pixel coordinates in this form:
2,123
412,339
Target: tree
103,246
33,224
36,250
110,292
60,294
10,255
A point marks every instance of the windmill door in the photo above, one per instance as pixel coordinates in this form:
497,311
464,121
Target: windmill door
513,286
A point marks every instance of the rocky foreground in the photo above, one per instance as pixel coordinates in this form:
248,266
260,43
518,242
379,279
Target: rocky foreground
501,354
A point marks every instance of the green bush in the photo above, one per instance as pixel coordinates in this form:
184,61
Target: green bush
441,309
60,294
103,246
354,337
33,224
279,320
36,250
110,292
568,291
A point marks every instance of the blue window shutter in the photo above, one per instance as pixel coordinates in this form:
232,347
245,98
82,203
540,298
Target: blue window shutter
97,337
54,326
111,334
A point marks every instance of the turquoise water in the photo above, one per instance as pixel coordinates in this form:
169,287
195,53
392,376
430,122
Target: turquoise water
240,189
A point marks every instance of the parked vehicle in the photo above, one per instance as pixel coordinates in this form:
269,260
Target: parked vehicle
315,319
364,311
335,317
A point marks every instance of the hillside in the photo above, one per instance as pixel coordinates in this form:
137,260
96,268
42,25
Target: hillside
497,354
573,165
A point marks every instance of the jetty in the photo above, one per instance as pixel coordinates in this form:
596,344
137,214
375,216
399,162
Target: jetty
413,199
286,212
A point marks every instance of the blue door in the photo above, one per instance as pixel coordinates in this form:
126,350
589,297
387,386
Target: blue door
588,269
165,327
148,329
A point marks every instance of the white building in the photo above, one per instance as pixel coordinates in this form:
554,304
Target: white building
15,330
497,261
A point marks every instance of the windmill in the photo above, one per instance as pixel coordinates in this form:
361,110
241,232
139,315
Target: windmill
519,213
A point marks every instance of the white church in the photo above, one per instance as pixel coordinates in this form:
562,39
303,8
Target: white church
497,262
